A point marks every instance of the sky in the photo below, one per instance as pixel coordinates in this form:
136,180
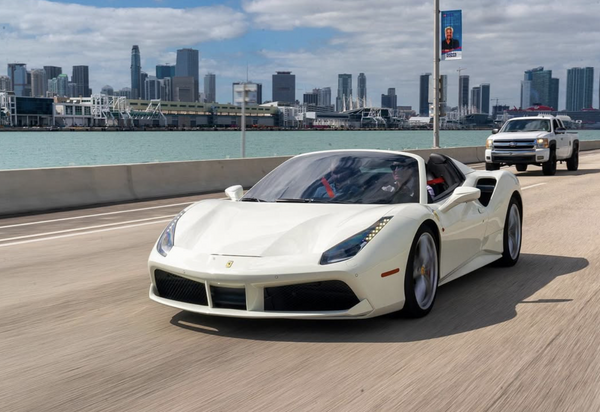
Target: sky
391,41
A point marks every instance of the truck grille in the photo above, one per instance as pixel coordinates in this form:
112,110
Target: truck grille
514,145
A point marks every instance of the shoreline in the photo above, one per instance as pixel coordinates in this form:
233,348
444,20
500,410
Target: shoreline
220,129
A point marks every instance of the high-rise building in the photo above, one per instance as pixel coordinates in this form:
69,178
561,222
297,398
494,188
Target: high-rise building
39,83
284,87
188,66
62,85
73,89
344,92
5,84
463,94
52,72
210,87
543,89
324,97
443,93
107,90
183,89
580,88
143,77
424,94
17,72
253,93
81,76
152,88
389,100
164,70
311,98
136,70
553,97
476,99
361,89
484,106
167,95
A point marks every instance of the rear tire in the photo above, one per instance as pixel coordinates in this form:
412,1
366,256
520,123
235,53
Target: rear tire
492,166
513,234
573,161
422,274
521,167
549,167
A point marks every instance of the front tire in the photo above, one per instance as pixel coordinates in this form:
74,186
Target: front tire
492,166
513,234
422,274
549,168
521,167
573,161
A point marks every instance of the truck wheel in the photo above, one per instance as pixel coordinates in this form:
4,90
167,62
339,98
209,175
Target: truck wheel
492,166
513,233
521,168
549,168
573,161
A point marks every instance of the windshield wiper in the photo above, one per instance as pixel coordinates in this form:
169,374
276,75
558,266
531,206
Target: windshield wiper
251,199
291,200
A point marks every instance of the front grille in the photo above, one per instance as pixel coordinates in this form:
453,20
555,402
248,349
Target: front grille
500,158
306,297
175,287
228,298
514,144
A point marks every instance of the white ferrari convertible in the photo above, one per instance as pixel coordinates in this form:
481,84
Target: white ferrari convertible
338,234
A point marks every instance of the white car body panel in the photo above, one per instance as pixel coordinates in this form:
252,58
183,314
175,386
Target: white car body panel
258,245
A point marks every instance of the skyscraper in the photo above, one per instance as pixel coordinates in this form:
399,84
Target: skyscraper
553,97
361,86
52,72
164,70
484,106
463,94
17,72
324,97
344,92
580,87
476,99
81,76
389,100
143,78
152,88
424,94
210,87
187,66
543,89
62,85
284,87
39,83
136,69
4,83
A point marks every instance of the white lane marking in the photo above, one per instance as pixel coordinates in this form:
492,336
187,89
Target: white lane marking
529,187
95,215
80,233
84,228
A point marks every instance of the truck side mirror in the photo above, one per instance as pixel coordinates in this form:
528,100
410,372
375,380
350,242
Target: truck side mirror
494,131
560,130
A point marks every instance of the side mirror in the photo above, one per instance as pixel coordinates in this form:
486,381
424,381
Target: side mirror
494,131
460,195
560,130
235,193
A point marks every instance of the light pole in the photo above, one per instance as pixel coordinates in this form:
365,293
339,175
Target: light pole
243,119
436,75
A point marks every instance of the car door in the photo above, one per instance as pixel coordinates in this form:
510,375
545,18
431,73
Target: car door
562,144
463,229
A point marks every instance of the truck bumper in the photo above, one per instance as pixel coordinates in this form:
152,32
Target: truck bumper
517,156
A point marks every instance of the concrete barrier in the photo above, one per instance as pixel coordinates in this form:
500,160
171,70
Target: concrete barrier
38,190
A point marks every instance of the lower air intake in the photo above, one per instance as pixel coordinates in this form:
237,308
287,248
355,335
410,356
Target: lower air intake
175,287
310,297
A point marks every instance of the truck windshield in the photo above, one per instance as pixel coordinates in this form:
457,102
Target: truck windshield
527,125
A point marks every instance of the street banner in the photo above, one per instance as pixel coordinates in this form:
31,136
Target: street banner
451,35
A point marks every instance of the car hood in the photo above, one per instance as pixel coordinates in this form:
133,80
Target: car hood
521,135
222,227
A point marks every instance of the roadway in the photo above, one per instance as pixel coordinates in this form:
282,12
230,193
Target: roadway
79,333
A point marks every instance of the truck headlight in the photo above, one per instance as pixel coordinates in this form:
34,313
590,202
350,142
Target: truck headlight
489,143
167,238
351,246
542,143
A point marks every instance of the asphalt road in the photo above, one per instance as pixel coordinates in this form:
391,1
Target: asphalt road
79,333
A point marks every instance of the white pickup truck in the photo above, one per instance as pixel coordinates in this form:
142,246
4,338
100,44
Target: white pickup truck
542,141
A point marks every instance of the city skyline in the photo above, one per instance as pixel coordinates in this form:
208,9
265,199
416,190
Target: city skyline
315,41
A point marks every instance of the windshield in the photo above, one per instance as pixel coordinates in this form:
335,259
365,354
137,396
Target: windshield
527,125
341,177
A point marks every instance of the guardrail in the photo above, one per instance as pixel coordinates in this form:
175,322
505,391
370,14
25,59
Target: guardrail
38,190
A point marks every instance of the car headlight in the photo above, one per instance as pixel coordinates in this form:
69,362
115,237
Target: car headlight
543,142
167,239
354,244
489,143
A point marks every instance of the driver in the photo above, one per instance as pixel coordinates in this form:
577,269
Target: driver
405,184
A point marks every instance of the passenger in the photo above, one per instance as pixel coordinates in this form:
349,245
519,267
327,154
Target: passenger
339,184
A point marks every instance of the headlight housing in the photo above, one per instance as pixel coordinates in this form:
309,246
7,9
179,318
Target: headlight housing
354,244
167,238
489,143
542,142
